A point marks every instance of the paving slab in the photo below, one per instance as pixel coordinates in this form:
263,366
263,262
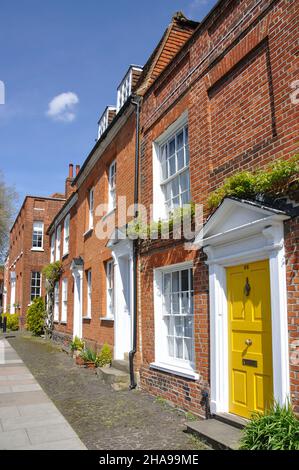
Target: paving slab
28,418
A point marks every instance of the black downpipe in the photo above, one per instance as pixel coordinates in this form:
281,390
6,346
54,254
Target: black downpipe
135,251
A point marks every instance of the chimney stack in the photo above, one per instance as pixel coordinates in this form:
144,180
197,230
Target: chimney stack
68,181
77,169
71,170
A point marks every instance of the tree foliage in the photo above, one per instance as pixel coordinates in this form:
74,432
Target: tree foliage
8,199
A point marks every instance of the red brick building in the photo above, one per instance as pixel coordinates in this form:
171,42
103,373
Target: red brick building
29,252
222,321
98,268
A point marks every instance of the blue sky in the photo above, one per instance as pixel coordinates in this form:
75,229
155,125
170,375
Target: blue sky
78,47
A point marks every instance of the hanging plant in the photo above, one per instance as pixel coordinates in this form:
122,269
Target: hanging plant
52,273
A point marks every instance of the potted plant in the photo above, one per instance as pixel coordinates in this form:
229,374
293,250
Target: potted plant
89,357
77,345
104,358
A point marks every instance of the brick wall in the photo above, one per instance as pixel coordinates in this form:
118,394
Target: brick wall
233,77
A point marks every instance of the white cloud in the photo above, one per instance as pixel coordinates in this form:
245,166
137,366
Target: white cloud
63,107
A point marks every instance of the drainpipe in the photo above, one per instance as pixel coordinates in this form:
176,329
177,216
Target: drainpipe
135,102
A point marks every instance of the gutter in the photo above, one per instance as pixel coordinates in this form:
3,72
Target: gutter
136,102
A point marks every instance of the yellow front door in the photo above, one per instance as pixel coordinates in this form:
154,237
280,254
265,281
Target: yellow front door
250,343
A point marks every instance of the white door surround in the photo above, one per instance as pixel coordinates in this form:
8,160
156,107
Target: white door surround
77,272
13,279
122,252
242,232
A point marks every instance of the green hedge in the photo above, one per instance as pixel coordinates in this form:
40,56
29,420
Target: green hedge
12,322
36,314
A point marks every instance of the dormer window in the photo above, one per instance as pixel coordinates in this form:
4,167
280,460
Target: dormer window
125,88
105,119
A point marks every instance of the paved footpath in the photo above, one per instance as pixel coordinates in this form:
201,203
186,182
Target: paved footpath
28,418
102,418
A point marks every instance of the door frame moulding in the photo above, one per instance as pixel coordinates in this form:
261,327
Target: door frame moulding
242,232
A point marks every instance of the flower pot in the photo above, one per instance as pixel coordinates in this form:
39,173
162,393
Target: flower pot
79,361
90,365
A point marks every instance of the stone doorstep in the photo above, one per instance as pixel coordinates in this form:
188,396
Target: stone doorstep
234,420
217,434
118,379
121,365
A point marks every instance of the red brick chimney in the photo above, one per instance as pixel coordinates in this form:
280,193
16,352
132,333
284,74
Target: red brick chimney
77,169
68,182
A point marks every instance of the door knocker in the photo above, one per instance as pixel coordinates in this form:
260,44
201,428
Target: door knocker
247,287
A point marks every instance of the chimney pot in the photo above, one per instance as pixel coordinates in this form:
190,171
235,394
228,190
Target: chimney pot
71,170
77,169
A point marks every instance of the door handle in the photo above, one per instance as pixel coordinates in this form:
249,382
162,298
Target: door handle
248,342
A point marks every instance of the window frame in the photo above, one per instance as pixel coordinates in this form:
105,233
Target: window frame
110,290
35,286
56,302
160,208
90,208
58,243
52,247
39,233
88,293
163,361
66,235
64,299
112,186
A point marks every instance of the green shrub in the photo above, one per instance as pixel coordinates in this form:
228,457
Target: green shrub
88,355
104,357
35,319
12,322
77,344
271,181
277,429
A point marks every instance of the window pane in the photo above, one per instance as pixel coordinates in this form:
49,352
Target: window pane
175,281
175,187
179,348
180,158
171,147
178,322
171,166
185,198
167,283
185,303
188,356
175,303
180,140
170,341
184,181
188,326
185,279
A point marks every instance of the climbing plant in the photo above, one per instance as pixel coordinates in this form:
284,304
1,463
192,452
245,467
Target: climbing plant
273,181
52,273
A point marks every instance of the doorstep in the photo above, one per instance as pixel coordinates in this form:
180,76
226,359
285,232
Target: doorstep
217,434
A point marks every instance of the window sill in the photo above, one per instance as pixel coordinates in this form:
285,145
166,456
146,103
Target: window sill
63,323
107,318
188,374
65,255
37,249
88,232
86,318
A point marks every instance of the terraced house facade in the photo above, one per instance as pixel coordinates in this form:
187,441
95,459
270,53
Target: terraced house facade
211,325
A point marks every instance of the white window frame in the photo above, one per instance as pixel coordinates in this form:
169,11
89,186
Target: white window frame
90,208
37,231
124,90
58,243
64,286
160,209
36,285
110,290
66,235
52,257
163,361
112,186
56,302
88,293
